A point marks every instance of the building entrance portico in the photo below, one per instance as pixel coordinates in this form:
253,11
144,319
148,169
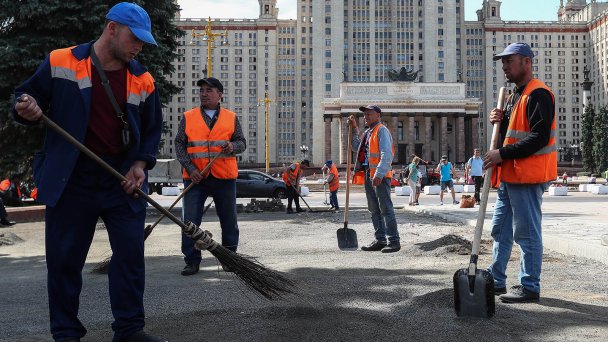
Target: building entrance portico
425,119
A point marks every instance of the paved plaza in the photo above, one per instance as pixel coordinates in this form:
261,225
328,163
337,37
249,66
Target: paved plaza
343,296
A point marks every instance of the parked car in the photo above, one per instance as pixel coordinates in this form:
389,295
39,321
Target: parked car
255,184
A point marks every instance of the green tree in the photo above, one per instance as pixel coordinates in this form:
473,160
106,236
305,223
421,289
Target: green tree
587,138
600,140
30,29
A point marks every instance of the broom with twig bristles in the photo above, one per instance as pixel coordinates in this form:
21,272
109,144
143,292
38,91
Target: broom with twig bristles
267,282
103,266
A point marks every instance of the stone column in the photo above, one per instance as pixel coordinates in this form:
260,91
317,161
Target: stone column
443,135
335,139
460,145
475,135
327,147
426,150
360,122
344,138
394,133
411,141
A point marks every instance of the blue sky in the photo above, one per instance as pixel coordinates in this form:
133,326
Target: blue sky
537,10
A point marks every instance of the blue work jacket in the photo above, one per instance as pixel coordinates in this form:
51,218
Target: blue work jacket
62,87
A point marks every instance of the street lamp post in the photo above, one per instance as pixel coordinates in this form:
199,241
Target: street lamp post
266,102
574,148
209,37
304,150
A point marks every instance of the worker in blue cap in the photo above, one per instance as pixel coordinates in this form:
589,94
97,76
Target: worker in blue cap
103,97
333,180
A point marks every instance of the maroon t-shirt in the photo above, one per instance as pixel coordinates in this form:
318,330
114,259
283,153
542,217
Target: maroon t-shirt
104,130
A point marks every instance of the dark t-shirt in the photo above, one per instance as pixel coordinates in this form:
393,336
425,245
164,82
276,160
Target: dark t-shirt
104,130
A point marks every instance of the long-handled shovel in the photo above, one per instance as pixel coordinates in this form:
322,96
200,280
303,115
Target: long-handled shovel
269,283
103,266
347,238
474,288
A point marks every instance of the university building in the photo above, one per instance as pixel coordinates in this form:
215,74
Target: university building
428,69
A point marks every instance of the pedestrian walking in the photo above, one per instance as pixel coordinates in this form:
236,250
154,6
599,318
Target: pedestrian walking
333,181
202,133
291,177
412,179
122,124
373,166
474,170
446,170
527,163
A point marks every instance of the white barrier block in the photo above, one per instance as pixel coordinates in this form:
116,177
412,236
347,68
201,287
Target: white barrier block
469,189
558,191
432,190
458,188
304,191
582,187
600,190
170,191
591,187
403,190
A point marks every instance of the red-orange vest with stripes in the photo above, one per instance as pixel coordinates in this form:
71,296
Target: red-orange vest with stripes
541,166
335,182
204,143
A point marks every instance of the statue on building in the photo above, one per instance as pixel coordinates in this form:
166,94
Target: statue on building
403,75
586,72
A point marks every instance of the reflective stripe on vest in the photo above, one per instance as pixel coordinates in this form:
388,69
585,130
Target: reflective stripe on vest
335,182
541,166
374,152
204,144
290,177
67,67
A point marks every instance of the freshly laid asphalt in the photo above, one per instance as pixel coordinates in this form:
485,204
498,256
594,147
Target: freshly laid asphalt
572,224
342,296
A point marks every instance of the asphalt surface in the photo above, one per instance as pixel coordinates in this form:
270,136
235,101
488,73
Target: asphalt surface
343,296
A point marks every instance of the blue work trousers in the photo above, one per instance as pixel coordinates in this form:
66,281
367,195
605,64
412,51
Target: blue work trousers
90,194
223,192
517,218
333,199
380,205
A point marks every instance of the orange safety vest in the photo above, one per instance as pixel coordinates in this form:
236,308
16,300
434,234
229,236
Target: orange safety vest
6,184
204,144
541,166
374,157
290,177
34,193
335,182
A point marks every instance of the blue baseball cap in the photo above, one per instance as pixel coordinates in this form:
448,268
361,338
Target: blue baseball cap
515,48
372,107
328,163
134,17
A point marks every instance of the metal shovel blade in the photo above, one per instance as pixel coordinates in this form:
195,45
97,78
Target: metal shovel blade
474,296
347,239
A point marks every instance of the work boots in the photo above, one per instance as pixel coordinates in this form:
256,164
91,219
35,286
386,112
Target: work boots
7,223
